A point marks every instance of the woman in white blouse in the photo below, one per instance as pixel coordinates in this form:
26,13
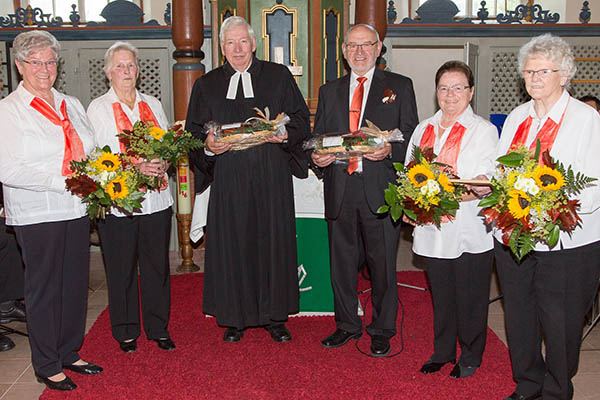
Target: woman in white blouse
458,256
142,238
42,131
551,289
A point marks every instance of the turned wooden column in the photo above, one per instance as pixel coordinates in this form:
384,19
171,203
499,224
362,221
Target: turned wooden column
374,13
188,37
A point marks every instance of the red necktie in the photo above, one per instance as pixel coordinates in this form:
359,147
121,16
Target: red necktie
73,145
449,152
354,115
123,122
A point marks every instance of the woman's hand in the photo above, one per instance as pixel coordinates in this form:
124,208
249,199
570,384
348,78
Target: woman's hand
379,154
322,160
408,220
480,190
214,146
154,167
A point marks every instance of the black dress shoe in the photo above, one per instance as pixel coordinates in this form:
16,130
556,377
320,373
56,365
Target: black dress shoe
128,347
430,367
339,338
380,346
64,385
165,344
6,343
85,369
517,396
460,371
11,311
279,333
233,335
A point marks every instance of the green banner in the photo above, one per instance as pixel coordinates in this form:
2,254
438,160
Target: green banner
316,295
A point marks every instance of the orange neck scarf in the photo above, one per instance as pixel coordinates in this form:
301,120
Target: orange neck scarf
450,149
123,122
73,145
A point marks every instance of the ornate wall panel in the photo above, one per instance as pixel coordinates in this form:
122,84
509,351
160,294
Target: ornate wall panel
507,89
587,78
4,72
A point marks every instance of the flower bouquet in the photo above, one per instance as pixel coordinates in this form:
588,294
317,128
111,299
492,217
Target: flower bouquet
354,144
104,180
532,202
149,142
252,132
424,192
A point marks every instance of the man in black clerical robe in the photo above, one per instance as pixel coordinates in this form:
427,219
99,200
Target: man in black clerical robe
251,263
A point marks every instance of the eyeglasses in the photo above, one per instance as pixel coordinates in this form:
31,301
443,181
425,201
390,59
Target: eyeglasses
39,64
363,46
458,89
542,73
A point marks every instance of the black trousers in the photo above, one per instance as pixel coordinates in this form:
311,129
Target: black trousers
127,242
547,293
357,225
56,256
460,289
11,265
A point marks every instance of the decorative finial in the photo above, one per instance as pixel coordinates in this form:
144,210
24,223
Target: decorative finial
391,12
74,16
585,15
483,13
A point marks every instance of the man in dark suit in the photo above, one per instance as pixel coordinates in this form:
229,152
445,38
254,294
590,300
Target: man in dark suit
354,191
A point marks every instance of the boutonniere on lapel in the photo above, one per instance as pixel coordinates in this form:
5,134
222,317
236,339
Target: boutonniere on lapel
388,97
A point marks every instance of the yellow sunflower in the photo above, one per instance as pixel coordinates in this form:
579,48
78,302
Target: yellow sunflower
156,132
419,175
117,188
108,162
548,178
518,203
445,182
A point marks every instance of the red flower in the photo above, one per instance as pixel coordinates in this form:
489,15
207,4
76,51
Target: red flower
388,97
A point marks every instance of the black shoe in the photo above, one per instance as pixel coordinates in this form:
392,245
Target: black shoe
6,343
85,369
165,344
64,385
233,335
380,346
339,338
128,347
430,367
517,396
279,333
11,311
460,371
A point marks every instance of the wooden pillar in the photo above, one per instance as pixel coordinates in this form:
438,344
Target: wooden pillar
374,13
188,37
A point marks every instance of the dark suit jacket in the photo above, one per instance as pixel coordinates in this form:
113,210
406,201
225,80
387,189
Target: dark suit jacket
332,116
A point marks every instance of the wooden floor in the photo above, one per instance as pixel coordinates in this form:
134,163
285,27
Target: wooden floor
18,382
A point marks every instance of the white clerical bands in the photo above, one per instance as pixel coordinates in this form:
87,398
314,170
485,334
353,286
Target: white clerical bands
246,85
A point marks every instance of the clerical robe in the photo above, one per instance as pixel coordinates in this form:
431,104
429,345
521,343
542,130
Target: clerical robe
250,261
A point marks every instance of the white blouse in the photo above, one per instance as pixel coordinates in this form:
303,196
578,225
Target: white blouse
467,233
31,157
577,144
100,113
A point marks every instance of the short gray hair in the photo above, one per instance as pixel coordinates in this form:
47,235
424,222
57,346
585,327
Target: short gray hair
27,42
554,49
369,27
232,22
108,56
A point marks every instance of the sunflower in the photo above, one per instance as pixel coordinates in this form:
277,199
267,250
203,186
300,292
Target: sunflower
156,132
445,182
419,175
518,203
117,188
108,162
548,178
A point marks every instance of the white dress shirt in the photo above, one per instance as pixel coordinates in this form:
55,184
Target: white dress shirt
31,158
467,233
577,144
366,86
100,113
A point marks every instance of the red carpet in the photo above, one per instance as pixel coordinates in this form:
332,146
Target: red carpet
205,367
